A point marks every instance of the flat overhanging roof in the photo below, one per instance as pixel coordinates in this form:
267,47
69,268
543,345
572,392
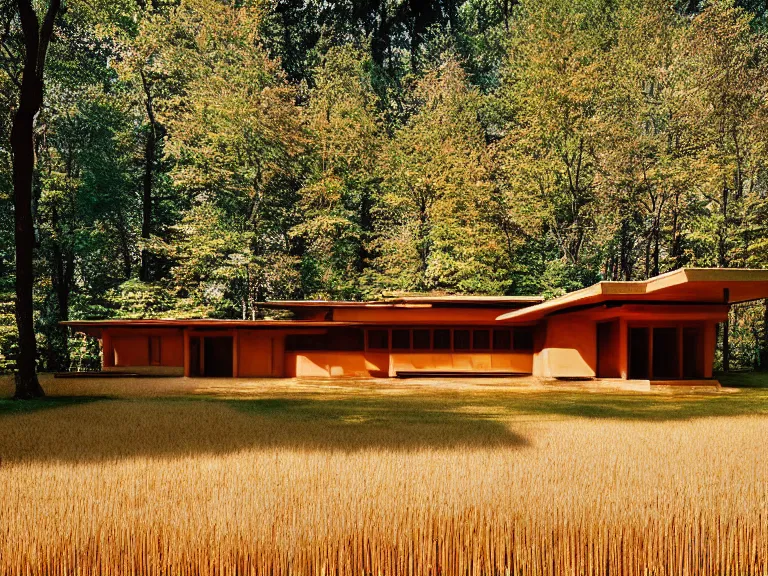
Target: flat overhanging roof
686,285
94,327
204,323
457,301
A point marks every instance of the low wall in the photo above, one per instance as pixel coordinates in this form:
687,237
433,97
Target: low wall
521,362
566,349
328,364
130,349
148,370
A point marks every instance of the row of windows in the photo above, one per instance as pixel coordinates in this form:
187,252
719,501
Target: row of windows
458,339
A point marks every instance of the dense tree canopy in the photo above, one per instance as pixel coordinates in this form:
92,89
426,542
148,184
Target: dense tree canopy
195,157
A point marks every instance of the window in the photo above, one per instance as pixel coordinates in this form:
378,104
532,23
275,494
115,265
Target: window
461,339
421,339
442,339
401,339
523,338
481,339
154,350
333,339
378,339
502,340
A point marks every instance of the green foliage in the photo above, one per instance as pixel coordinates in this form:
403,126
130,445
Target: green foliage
345,132
347,150
433,223
8,332
136,299
561,277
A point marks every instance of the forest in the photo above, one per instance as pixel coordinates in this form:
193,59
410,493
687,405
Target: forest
192,158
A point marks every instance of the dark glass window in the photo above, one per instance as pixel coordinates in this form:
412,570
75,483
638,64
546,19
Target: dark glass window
421,339
378,339
502,340
401,339
461,339
442,339
523,338
334,339
481,339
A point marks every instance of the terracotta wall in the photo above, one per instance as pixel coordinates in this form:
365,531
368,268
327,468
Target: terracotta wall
172,350
327,364
566,348
131,348
331,363
255,354
566,345
521,362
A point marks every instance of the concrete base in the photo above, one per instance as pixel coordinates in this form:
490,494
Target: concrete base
605,384
707,383
148,370
637,385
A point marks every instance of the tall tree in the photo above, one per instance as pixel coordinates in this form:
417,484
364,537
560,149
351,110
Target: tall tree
552,85
642,179
434,231
723,76
234,136
37,37
346,138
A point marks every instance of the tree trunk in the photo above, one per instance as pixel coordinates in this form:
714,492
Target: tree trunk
656,242
764,343
149,170
62,277
22,134
722,260
675,250
36,39
146,203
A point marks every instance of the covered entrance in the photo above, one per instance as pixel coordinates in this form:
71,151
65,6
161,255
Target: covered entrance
210,356
218,356
665,352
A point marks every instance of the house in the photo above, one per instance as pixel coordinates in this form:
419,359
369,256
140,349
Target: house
664,328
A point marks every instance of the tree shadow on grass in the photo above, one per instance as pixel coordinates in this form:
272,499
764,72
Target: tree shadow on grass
83,429
117,429
11,406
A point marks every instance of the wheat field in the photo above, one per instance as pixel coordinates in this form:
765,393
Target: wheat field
379,478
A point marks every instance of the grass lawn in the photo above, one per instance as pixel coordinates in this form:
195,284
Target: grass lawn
452,476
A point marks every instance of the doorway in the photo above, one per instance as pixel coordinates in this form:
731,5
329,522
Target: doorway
608,350
217,351
639,351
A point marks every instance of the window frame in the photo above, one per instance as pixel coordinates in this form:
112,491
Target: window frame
387,331
515,346
408,348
